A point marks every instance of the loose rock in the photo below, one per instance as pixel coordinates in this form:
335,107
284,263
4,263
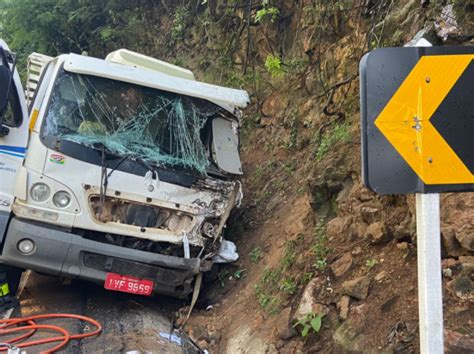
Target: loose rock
462,287
377,233
467,264
466,239
456,343
308,303
284,329
381,276
358,288
344,304
341,265
370,214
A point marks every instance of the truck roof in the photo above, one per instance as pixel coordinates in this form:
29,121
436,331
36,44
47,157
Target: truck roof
137,60
227,98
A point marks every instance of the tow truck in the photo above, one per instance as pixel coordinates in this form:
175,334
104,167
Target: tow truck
122,171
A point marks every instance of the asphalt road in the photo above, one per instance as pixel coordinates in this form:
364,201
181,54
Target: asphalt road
130,322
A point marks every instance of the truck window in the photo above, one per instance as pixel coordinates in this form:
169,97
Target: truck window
13,116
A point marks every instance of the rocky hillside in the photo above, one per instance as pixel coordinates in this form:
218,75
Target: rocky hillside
326,265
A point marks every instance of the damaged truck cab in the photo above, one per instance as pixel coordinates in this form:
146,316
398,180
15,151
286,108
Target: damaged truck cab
126,174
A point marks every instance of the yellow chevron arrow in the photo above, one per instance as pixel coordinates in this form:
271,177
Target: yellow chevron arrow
405,120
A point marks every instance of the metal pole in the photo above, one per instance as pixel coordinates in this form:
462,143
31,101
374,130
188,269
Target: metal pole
430,302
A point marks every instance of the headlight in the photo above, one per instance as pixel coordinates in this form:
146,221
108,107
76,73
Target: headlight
62,199
39,192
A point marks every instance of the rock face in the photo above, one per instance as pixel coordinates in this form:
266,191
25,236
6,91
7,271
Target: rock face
357,288
341,265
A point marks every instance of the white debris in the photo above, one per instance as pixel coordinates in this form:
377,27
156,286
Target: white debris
227,253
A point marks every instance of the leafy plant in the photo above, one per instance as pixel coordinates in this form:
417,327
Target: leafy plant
371,262
255,254
288,285
239,274
274,66
180,20
311,322
267,13
320,264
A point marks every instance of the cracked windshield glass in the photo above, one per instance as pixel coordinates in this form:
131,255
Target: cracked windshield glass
160,127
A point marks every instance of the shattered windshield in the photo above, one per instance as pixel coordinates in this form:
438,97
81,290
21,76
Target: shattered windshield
159,127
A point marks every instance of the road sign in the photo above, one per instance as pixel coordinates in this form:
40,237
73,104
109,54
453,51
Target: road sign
417,111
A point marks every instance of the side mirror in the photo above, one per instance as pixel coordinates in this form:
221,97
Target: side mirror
7,68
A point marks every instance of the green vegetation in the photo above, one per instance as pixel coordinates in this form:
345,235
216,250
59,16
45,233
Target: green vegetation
276,285
239,274
310,323
274,66
371,262
255,254
319,247
267,13
180,21
339,133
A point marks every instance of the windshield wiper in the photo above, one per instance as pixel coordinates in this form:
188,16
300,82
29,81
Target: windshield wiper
104,176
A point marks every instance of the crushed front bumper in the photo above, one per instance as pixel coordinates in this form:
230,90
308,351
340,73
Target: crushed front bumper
61,253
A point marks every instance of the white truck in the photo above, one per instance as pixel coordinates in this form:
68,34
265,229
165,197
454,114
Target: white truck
121,171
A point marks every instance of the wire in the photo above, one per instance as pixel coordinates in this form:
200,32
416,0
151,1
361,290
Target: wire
29,325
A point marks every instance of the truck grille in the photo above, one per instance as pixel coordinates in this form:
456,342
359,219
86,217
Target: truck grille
135,269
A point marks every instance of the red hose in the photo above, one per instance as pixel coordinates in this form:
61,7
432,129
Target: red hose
32,327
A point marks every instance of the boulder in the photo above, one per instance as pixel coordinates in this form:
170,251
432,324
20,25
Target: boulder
340,266
350,335
283,326
466,239
462,287
337,226
456,343
308,303
370,214
451,245
467,264
357,288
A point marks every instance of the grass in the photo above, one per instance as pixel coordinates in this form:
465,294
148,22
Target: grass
255,254
277,285
319,248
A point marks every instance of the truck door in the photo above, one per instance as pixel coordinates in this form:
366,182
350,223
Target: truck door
13,131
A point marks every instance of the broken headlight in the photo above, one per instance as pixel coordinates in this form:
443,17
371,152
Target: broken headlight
40,192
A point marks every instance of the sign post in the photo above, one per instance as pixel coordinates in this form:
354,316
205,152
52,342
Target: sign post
417,131
430,302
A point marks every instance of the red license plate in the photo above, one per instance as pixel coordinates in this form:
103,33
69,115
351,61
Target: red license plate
128,284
